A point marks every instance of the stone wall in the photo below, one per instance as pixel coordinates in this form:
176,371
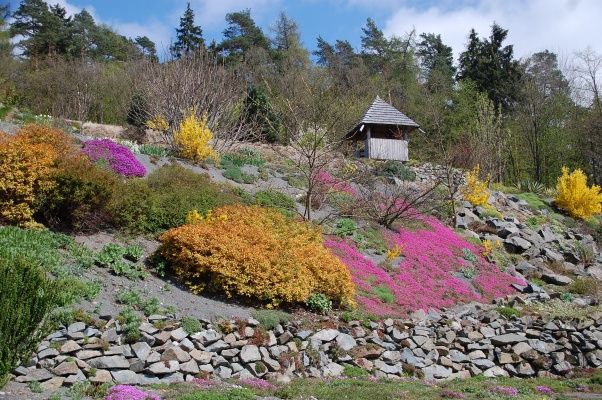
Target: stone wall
466,341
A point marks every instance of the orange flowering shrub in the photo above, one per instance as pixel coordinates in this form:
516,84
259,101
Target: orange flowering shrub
30,162
25,168
257,254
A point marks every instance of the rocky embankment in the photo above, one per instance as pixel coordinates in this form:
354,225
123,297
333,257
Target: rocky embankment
472,340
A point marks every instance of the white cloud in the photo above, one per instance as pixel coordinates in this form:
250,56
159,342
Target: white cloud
211,14
561,26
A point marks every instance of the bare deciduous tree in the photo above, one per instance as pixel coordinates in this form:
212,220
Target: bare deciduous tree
195,82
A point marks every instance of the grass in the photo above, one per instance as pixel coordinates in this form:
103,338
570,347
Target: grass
354,384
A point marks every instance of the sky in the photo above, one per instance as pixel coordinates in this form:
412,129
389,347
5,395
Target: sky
561,26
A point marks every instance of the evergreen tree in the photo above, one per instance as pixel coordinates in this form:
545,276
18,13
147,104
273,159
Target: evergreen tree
241,36
491,66
84,33
436,59
260,112
147,47
288,50
44,30
189,36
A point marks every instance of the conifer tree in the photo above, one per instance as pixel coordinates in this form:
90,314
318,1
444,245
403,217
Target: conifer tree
189,36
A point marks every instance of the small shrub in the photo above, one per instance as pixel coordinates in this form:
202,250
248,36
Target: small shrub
270,319
130,270
152,150
586,286
164,200
191,325
118,158
354,372
319,303
256,254
150,306
237,175
384,294
396,169
110,253
192,139
508,312
27,296
491,212
133,252
35,387
468,272
575,197
243,157
345,227
130,324
469,255
130,297
276,199
475,190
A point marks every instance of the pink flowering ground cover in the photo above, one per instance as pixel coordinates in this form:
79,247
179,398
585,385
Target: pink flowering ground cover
119,158
429,275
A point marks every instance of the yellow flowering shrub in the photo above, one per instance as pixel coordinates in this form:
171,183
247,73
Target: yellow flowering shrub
256,254
395,252
575,197
475,191
158,123
192,139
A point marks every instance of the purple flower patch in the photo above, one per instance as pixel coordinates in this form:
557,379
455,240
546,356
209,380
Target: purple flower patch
119,158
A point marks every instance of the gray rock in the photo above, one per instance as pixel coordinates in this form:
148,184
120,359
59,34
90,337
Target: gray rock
178,334
332,369
141,349
436,372
125,377
175,354
345,341
39,375
110,362
190,367
164,367
76,327
223,372
66,368
384,345
250,353
326,335
509,338
144,379
304,334
551,255
483,363
556,279
49,352
516,245
458,357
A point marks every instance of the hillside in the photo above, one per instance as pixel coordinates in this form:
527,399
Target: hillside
516,279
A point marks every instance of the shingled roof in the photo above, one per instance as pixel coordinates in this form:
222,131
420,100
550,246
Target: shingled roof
382,113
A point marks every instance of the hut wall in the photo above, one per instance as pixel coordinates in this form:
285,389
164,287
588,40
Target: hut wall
387,149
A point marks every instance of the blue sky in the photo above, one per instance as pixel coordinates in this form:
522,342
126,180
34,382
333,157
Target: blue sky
561,26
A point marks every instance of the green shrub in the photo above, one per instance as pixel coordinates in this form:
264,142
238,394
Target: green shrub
586,286
130,296
133,252
152,150
130,324
234,173
131,271
191,324
384,294
345,227
276,199
469,255
243,157
318,303
79,198
109,254
27,296
396,169
151,306
354,372
165,199
270,319
508,312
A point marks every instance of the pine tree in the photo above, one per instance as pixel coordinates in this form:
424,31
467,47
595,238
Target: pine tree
189,36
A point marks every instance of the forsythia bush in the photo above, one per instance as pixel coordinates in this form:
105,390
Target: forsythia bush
575,197
258,254
475,190
193,138
27,161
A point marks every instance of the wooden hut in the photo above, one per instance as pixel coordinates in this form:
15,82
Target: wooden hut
382,133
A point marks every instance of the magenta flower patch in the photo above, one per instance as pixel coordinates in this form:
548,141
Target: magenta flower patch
428,276
119,158
125,392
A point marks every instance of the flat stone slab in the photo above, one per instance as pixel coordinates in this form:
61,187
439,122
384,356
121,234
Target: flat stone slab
508,338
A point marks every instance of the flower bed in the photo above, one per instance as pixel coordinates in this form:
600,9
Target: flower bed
118,158
429,276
